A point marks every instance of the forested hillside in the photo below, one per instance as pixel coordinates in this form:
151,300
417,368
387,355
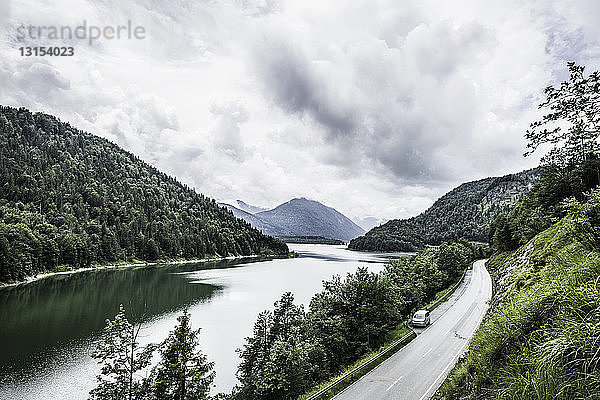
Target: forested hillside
545,204
71,199
465,212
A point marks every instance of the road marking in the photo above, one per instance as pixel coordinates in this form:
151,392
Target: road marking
452,361
428,351
444,370
392,385
463,319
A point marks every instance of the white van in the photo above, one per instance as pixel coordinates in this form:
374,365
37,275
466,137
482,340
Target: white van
421,318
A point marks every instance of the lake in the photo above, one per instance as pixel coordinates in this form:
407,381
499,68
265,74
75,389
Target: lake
48,327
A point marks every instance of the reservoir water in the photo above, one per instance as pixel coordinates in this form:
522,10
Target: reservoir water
48,327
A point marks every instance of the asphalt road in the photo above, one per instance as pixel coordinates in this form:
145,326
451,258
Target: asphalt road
416,371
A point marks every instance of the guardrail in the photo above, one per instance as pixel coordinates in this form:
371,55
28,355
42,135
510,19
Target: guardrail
402,340
450,292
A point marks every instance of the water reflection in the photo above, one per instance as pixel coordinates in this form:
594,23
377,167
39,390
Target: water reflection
48,327
47,314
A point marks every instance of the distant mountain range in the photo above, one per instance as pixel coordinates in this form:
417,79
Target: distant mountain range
298,217
249,208
464,212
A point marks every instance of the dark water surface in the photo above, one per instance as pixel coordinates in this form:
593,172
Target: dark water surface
48,327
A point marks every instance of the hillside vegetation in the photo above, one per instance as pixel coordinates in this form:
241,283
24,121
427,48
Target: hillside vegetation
540,340
72,199
545,204
465,212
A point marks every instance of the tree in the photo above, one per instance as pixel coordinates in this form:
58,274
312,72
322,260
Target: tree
281,360
501,234
352,316
572,125
152,251
122,359
183,373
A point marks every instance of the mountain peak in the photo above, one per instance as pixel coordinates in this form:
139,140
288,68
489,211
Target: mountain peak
303,217
298,217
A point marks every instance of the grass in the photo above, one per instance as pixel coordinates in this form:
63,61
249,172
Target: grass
542,338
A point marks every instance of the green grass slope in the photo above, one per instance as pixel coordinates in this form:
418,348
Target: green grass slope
465,212
71,199
541,338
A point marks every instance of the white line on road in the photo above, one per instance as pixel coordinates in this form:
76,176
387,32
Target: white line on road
444,370
392,385
427,352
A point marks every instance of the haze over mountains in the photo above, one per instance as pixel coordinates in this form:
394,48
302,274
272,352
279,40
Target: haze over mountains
298,217
368,223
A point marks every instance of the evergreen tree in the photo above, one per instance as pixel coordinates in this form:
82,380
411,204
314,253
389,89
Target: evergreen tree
122,360
183,373
281,360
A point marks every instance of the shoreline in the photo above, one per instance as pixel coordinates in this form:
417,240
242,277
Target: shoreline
37,277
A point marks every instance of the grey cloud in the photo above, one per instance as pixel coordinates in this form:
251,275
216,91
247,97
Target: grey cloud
439,49
190,153
365,100
291,79
396,118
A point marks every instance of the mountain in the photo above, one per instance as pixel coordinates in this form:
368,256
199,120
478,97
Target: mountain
302,217
249,208
465,212
70,199
266,227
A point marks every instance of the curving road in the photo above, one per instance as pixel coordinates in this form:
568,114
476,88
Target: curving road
416,371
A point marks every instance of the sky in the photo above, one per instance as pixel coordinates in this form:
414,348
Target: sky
373,107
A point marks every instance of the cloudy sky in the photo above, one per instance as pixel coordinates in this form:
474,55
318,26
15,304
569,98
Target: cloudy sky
373,107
